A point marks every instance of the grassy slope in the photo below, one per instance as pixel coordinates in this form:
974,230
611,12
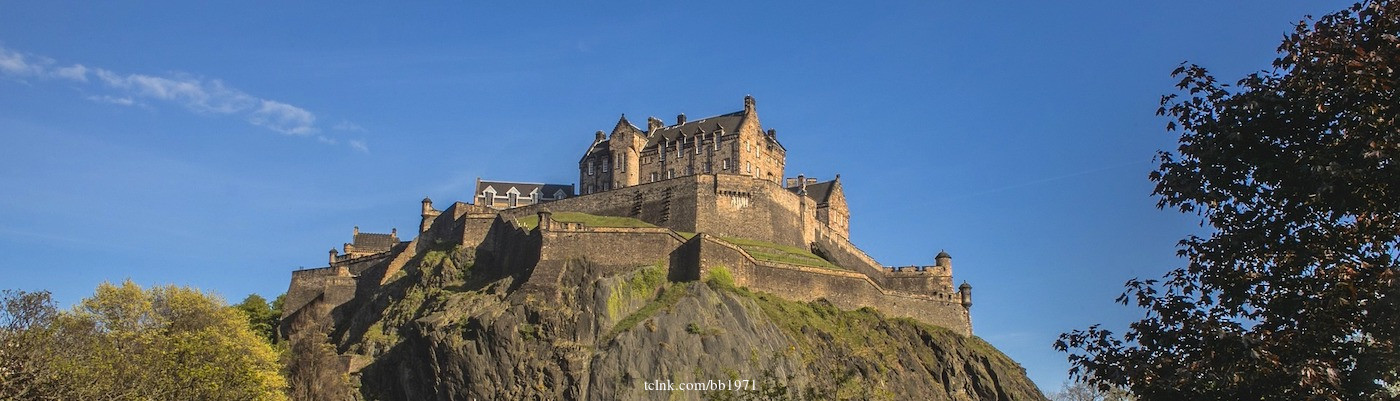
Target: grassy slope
530,222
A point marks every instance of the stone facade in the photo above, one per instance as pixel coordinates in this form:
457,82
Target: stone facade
665,176
733,143
505,194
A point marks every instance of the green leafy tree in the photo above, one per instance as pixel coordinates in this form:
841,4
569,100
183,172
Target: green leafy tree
162,343
1293,295
263,317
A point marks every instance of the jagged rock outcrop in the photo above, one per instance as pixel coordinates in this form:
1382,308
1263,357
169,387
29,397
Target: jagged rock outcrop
446,328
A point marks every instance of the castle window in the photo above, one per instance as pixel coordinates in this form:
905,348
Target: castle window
590,166
707,167
689,170
748,167
514,199
653,177
488,197
605,165
670,174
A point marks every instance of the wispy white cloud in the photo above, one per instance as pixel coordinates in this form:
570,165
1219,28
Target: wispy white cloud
284,118
359,145
124,101
200,95
348,126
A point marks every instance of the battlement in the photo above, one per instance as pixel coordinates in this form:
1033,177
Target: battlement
637,206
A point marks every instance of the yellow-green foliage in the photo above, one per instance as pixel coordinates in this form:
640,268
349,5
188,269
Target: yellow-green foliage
719,277
161,343
768,251
642,284
670,294
530,222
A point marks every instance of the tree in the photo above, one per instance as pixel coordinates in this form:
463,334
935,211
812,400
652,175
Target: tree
169,343
1084,391
263,317
1293,295
314,370
27,347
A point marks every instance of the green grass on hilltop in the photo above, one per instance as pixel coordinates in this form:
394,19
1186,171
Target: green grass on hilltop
767,251
530,222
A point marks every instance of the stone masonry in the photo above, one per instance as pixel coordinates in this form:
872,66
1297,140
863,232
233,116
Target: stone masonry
698,182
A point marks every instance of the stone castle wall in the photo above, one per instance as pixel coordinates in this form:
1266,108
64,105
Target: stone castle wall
712,205
844,289
720,204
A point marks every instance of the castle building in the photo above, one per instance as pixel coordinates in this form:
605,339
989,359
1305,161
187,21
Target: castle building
733,144
501,195
701,196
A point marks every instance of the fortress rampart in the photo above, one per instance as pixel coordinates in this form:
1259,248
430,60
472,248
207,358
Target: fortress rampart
703,184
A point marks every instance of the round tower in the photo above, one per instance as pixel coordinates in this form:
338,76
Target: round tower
333,253
965,291
943,260
428,214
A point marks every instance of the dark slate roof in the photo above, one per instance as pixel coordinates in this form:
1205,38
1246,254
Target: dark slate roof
374,242
730,123
524,188
820,192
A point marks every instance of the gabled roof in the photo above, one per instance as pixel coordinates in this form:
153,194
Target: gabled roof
367,242
728,122
523,188
819,192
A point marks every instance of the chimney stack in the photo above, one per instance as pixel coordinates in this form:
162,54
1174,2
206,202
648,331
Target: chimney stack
680,119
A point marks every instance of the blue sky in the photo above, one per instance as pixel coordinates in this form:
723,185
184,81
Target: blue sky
223,144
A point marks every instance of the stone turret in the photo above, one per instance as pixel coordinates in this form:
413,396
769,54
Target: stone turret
943,260
546,220
965,292
333,253
428,215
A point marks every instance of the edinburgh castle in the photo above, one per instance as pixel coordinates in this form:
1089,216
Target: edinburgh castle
697,197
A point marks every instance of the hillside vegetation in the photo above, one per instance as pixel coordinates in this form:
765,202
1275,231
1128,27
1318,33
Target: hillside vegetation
442,332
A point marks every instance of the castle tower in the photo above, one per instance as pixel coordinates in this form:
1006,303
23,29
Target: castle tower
759,154
428,215
943,260
625,145
965,291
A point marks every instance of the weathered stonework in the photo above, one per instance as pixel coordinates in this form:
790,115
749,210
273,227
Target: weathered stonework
693,212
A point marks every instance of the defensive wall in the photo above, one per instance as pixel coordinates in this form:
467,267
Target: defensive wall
720,204
844,289
709,205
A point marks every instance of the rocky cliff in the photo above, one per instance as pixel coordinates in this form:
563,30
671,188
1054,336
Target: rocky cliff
445,328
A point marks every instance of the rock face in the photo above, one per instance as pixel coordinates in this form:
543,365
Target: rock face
444,329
